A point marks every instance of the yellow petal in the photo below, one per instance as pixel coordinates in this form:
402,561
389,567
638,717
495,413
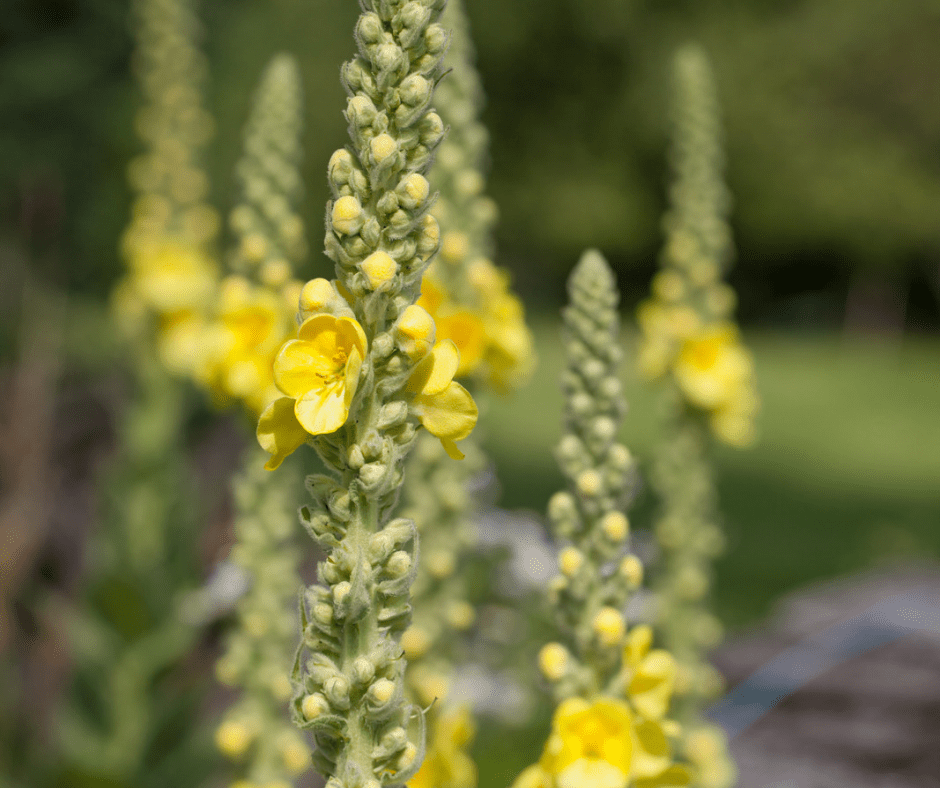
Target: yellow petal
451,448
450,414
322,411
651,750
301,366
466,330
351,379
651,686
352,335
639,640
279,432
591,773
436,370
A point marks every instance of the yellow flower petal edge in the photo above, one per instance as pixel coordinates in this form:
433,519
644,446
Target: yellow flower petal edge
279,432
449,415
436,370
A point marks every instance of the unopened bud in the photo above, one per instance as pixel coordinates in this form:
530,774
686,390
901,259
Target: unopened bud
347,215
379,268
553,661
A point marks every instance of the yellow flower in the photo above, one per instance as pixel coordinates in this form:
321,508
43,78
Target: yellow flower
707,749
510,354
172,275
461,326
713,368
250,326
447,764
652,674
444,407
466,331
319,373
591,746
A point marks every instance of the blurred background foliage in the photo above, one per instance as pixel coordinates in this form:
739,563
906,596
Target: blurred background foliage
832,136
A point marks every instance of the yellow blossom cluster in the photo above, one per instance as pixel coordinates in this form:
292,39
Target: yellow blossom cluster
604,743
614,740
687,324
318,374
708,362
484,319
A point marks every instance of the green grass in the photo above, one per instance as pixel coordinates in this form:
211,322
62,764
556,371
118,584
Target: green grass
846,474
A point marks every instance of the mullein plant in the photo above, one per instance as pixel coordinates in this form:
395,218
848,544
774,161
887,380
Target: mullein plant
363,376
134,715
691,345
472,306
611,689
256,731
250,320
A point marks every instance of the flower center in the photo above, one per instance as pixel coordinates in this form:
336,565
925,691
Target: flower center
335,374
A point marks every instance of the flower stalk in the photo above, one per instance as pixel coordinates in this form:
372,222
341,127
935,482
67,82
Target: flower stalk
612,690
692,346
363,375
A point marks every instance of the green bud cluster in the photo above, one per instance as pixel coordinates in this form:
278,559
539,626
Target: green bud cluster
689,538
256,730
596,577
270,232
696,341
349,677
173,123
467,215
700,238
379,232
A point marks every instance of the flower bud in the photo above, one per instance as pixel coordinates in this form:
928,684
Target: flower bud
341,591
381,692
379,269
392,413
414,190
313,706
398,564
435,38
363,670
631,568
316,296
382,146
346,215
570,560
415,90
415,332
609,626
336,690
233,738
589,482
553,661
388,57
340,166
430,237
361,111
615,526
369,29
